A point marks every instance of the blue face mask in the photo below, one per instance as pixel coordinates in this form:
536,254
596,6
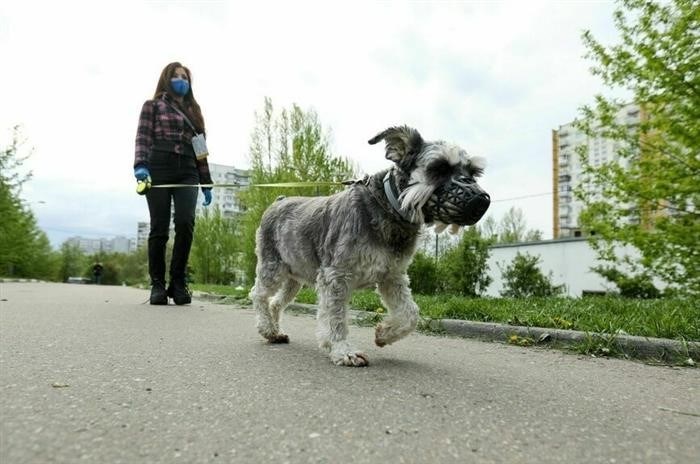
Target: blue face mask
180,86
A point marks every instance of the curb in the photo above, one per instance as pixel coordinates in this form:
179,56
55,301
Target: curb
631,345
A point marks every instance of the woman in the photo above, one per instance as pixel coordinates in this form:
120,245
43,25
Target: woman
164,154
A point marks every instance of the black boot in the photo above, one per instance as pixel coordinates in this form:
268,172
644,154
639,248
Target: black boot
178,291
158,293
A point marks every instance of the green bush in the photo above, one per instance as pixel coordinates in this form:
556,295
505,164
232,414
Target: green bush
629,286
522,278
463,269
423,274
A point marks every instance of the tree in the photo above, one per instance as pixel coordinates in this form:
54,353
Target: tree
25,250
489,228
514,229
215,249
650,197
511,229
523,278
463,269
291,147
73,262
134,266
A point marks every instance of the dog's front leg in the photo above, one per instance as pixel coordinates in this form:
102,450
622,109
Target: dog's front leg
332,320
403,311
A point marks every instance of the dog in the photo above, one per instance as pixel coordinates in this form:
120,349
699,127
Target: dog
363,236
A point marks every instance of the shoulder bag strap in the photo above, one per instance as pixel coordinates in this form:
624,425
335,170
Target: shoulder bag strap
187,120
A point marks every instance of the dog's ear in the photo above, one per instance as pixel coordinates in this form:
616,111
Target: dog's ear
402,143
477,164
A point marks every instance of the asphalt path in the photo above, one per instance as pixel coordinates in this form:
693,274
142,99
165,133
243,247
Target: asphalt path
92,374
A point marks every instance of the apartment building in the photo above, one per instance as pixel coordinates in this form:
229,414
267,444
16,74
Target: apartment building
90,246
567,169
225,197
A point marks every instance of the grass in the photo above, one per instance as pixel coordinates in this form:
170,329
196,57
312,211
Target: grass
673,318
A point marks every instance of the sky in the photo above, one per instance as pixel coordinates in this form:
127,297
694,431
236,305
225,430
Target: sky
492,77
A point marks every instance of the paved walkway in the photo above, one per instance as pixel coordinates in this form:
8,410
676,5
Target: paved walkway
89,373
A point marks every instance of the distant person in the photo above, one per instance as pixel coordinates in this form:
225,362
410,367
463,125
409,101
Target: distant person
170,149
97,273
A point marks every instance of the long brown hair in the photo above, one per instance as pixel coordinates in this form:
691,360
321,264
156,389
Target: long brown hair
191,107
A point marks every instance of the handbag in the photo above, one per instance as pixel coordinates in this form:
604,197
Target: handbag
199,142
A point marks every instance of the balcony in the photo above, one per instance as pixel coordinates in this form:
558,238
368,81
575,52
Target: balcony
564,178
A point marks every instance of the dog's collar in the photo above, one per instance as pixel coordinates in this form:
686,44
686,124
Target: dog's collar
392,194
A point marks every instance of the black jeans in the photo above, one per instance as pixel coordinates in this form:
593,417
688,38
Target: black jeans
171,168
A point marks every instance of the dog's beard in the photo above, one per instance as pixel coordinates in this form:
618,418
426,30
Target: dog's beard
414,198
440,226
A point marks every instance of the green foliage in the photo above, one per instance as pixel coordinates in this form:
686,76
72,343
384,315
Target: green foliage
73,262
630,286
289,147
25,250
423,274
463,269
522,278
676,318
649,198
117,268
134,267
306,295
216,249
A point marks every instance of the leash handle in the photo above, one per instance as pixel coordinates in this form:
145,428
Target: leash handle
143,186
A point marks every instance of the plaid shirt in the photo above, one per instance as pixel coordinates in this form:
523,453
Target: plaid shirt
161,126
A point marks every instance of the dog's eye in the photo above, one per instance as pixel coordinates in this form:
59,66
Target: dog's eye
439,169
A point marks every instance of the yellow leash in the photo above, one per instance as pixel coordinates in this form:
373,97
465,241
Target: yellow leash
143,186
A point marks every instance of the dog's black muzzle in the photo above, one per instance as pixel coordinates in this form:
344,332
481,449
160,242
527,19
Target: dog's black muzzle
460,201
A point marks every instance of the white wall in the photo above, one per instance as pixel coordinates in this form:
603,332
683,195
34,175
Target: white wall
569,260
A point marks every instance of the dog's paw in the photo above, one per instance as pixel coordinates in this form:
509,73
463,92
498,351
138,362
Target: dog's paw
389,331
344,355
382,335
278,338
357,359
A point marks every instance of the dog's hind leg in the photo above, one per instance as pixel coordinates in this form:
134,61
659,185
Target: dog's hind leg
332,321
268,282
403,311
282,298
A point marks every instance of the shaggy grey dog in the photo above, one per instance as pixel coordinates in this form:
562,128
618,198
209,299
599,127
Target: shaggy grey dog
364,236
